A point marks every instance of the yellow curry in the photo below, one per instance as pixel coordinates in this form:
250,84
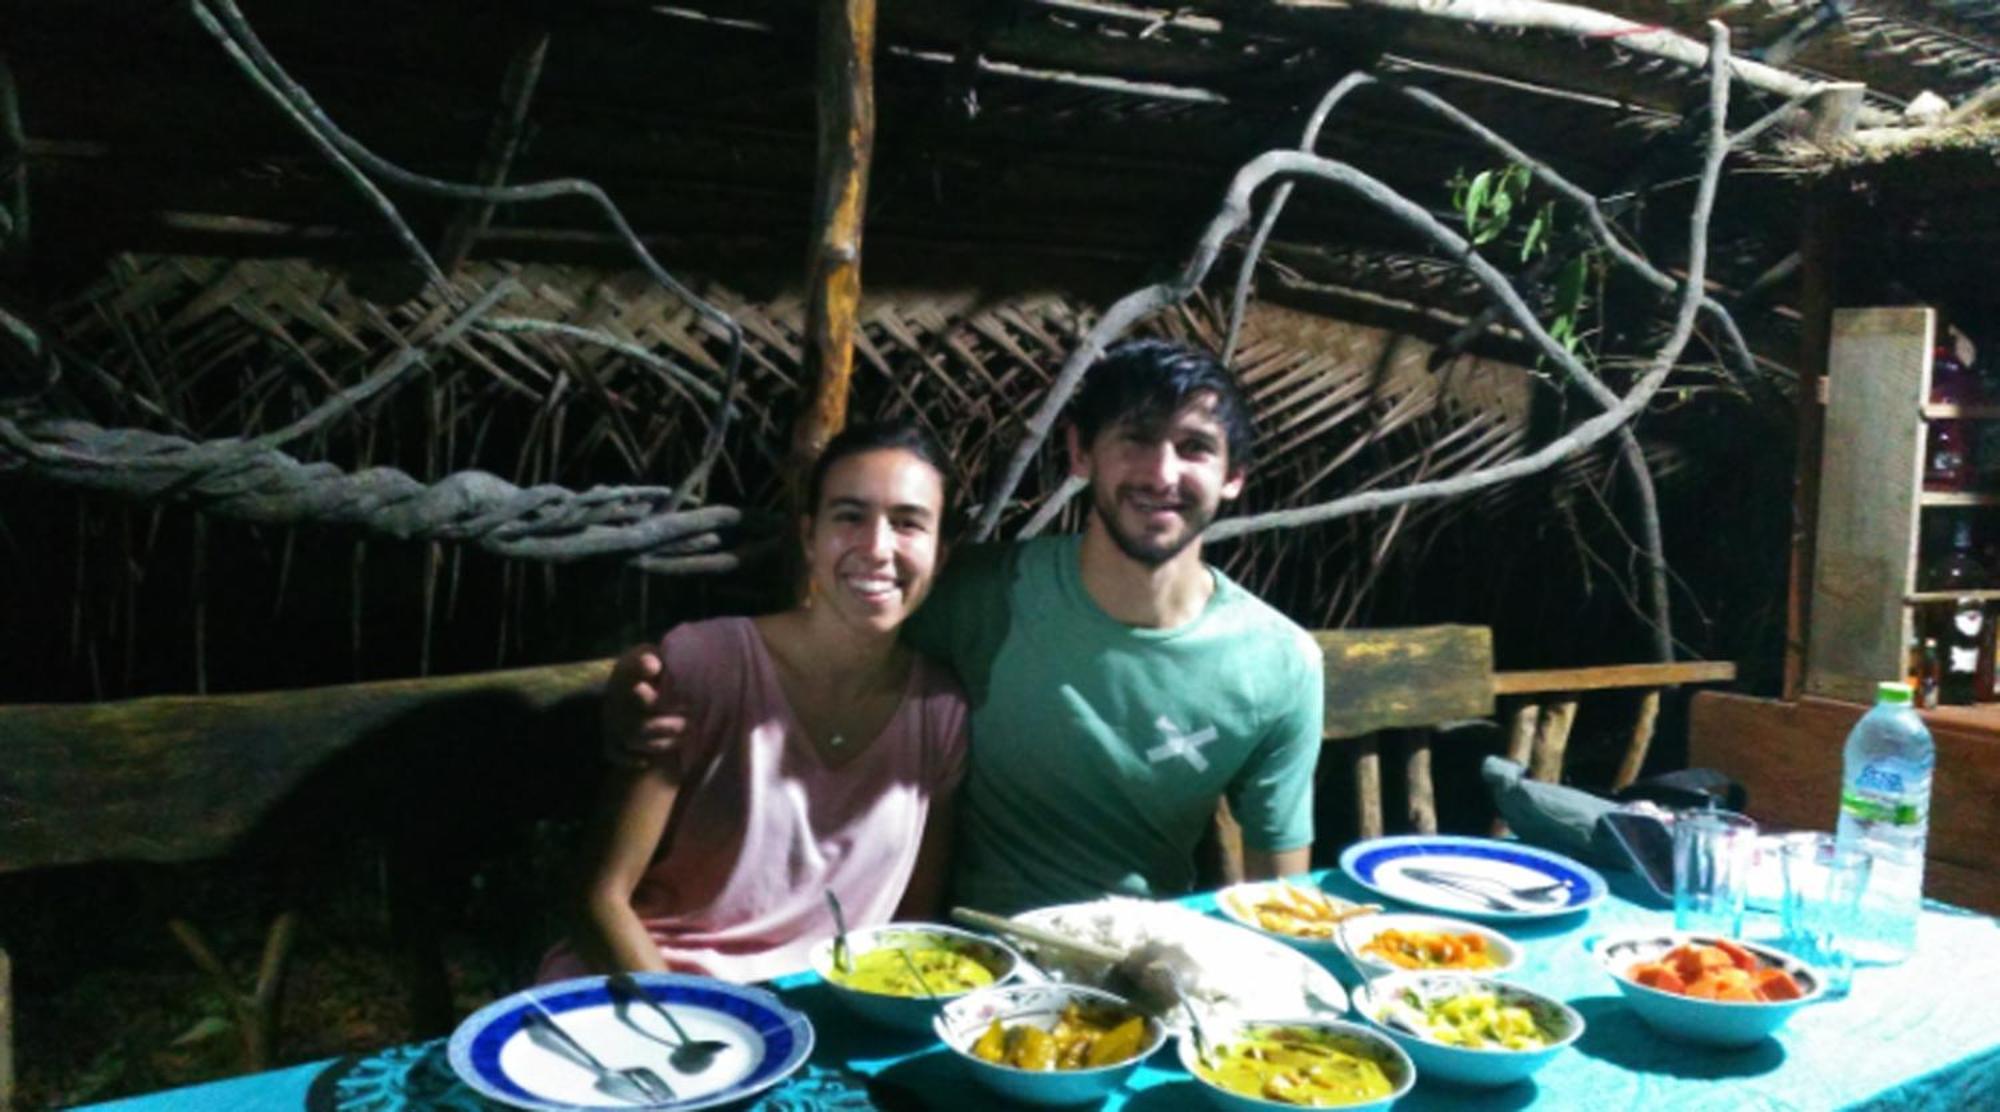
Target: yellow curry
1298,1065
888,971
1083,1038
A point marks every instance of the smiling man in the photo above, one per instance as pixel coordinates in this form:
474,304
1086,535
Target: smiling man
1120,686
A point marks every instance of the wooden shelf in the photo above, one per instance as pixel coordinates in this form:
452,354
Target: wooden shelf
1957,498
1919,598
1936,412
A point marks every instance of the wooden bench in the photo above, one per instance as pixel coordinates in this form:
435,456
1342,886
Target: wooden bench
1788,757
1420,678
429,766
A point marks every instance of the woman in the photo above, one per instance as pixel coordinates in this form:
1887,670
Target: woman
820,753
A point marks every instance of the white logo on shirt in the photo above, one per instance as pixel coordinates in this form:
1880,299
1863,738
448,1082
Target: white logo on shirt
1181,745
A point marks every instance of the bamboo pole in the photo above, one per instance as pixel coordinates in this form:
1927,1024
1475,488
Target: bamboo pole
846,81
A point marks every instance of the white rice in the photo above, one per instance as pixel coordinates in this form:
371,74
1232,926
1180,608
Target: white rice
1228,972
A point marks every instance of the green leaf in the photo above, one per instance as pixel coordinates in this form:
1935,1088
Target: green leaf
1475,201
1537,239
1570,285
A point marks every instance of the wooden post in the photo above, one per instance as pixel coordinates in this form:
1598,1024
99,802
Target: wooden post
1368,786
846,82
1818,293
1642,740
1417,777
1833,111
1520,746
6,1033
1552,740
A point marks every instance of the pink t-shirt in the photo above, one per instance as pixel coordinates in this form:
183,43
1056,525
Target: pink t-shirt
761,827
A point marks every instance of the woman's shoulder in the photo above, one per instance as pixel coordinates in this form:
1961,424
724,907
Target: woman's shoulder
942,697
693,648
935,680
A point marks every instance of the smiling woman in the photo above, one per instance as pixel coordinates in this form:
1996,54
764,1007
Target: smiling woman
816,752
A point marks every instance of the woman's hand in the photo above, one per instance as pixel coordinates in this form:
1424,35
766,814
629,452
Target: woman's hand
643,719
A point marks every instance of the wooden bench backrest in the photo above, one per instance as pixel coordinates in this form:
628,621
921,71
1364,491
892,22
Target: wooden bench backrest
182,778
1384,679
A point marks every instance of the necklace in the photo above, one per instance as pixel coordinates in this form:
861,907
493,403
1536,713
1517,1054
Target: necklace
836,741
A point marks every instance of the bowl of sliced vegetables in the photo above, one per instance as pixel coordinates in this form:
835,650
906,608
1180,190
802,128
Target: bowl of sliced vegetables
899,974
1254,1065
1708,989
1048,1044
1302,916
1403,942
1469,1030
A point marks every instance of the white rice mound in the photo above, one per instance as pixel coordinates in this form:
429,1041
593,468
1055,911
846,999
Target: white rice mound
1228,972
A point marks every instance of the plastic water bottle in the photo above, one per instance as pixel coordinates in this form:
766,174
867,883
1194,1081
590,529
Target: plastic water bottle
1885,804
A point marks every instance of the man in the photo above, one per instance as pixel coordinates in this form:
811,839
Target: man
1119,685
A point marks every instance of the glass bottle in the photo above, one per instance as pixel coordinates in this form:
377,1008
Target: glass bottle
1948,451
1963,640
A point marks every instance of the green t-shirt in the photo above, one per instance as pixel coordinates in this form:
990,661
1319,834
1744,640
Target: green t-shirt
1099,749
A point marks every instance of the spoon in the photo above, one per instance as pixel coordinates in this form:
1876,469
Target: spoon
692,1055
1201,1052
1488,886
843,959
1389,1012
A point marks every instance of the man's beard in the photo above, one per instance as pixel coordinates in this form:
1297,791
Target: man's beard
1140,549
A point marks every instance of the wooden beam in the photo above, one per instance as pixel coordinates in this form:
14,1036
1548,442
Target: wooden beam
846,80
1608,676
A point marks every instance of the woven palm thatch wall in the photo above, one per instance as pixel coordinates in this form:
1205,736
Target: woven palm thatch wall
586,376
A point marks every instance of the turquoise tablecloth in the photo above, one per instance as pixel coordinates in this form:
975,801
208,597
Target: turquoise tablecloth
1923,1035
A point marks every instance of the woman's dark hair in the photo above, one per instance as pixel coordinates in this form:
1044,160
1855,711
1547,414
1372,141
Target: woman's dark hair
876,436
1148,381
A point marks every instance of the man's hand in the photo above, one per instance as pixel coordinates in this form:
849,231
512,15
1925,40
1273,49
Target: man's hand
642,718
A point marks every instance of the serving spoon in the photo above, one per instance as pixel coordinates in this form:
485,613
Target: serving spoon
843,958
692,1055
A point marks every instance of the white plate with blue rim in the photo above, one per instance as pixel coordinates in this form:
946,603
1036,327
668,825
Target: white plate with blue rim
1479,878
503,1055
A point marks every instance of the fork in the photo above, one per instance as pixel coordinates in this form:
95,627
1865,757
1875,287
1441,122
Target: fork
620,1083
1488,889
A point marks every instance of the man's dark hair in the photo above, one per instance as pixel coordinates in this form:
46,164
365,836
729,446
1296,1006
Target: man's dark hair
1148,381
875,436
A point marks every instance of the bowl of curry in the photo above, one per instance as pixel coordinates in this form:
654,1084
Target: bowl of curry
1049,1044
1259,1065
899,974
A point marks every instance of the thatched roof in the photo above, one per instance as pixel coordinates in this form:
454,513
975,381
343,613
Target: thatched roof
1101,133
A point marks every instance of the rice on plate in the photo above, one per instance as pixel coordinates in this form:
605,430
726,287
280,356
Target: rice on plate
1226,971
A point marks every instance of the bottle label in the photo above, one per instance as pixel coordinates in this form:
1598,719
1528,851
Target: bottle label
1880,795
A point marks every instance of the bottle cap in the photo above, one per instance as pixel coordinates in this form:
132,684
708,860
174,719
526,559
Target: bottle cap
1893,693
